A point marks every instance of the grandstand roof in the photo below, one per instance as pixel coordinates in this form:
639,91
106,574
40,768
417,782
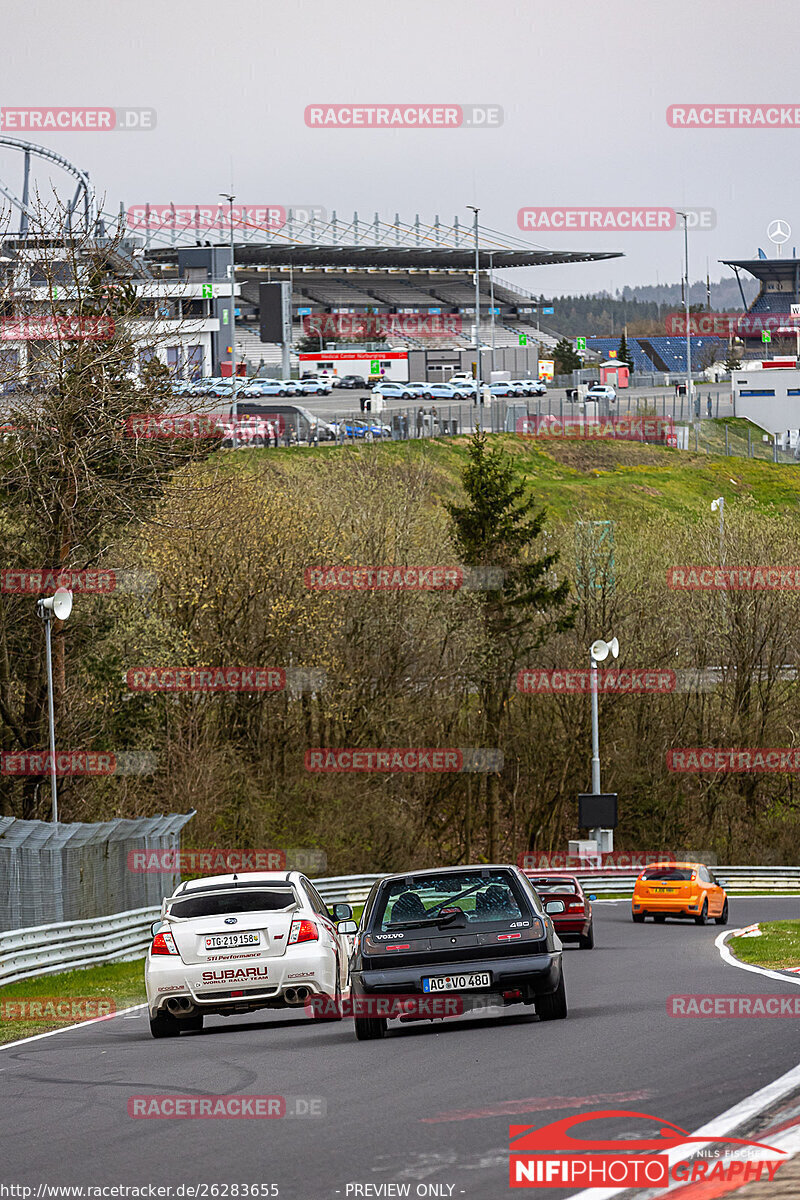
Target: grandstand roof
766,268
430,257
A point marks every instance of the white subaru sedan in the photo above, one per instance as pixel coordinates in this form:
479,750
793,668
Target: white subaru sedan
236,943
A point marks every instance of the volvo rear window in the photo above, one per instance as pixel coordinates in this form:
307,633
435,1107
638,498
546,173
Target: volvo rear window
669,874
474,898
220,904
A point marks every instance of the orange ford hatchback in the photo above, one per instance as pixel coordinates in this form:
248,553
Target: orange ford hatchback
679,889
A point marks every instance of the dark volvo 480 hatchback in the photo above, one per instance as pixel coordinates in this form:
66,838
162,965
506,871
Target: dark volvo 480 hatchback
475,934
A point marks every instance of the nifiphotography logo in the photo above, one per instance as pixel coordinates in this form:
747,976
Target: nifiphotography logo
551,1156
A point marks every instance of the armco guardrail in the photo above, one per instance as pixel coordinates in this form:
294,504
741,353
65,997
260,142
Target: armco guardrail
25,953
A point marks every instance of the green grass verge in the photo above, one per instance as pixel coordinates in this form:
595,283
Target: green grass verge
121,982
577,478
777,948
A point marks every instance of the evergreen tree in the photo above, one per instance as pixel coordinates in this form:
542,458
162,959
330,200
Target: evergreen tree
521,604
623,353
566,358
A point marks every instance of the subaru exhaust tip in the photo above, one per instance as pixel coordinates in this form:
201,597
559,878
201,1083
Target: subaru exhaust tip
297,995
180,1005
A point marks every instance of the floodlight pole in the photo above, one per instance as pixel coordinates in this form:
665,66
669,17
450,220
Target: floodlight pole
491,300
595,729
234,401
688,335
478,396
596,835
45,614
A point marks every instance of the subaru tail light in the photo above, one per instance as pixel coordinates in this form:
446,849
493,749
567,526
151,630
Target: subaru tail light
302,930
164,943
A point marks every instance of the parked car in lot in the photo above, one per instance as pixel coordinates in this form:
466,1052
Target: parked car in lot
455,393
503,388
265,387
600,391
360,429
418,390
180,387
567,904
353,381
202,387
312,386
290,420
392,391
223,388
529,387
680,889
468,932
237,943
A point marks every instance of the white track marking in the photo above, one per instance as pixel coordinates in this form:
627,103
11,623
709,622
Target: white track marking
728,957
732,1118
65,1029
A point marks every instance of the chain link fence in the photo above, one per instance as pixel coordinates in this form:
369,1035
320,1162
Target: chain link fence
53,872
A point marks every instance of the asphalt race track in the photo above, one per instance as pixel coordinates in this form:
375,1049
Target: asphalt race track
428,1105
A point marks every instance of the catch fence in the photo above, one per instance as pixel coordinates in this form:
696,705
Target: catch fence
55,873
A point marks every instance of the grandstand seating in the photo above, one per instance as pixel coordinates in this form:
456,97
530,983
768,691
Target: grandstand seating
657,354
772,302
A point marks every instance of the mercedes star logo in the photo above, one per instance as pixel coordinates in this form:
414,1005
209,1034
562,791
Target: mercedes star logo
779,232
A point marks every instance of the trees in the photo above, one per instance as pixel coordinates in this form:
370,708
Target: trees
566,358
72,478
499,527
623,353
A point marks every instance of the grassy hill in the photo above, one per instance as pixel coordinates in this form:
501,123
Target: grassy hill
576,478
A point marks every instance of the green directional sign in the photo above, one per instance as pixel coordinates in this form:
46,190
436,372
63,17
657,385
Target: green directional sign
766,336
523,339
375,367
207,291
580,343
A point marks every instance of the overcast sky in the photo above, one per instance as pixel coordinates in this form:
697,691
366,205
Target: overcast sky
584,89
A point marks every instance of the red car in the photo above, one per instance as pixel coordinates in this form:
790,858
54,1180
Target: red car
573,921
